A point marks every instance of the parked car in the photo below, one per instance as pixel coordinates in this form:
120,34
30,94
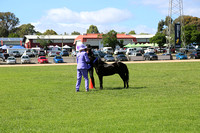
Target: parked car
64,53
2,56
195,55
109,57
150,49
11,60
119,51
25,59
121,57
99,53
58,59
52,53
181,56
16,54
41,53
135,54
42,59
29,53
150,56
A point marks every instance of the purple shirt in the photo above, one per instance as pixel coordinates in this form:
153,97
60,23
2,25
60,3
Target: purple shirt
82,60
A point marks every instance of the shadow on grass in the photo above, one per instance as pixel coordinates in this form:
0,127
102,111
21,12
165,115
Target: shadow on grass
120,88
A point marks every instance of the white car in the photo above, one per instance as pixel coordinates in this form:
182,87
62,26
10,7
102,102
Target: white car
25,59
11,60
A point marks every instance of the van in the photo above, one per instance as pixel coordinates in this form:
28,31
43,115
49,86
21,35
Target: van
108,50
130,50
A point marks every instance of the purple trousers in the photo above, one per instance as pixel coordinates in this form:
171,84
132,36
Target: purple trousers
80,73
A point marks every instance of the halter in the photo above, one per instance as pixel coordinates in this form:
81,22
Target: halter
95,60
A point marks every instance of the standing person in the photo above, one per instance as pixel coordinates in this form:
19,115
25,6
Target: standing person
82,66
90,70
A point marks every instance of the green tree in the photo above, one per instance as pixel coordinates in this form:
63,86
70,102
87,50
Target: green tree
50,32
195,37
159,38
161,26
25,29
8,21
132,32
92,29
13,35
44,43
110,39
75,33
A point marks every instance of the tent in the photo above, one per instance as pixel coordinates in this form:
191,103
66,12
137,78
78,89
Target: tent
5,47
129,45
66,46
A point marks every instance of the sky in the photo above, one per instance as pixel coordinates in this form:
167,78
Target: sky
62,16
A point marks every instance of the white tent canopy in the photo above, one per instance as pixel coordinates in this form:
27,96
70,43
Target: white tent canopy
66,46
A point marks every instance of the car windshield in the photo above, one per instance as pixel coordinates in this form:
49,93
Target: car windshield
181,54
109,56
58,57
121,55
11,58
25,57
42,57
151,54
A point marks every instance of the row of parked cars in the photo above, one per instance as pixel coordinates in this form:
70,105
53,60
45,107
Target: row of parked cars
25,59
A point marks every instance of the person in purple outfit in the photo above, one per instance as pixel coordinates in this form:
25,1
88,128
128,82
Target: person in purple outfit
82,66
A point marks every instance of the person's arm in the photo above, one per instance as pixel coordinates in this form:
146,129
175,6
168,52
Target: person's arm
87,58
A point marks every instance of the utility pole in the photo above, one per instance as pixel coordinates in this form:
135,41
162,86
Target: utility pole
175,11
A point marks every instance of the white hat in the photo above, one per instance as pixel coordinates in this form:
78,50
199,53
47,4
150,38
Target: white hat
80,47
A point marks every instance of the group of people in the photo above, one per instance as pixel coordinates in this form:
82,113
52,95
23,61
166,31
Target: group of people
84,65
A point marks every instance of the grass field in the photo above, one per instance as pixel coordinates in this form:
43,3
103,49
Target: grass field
163,97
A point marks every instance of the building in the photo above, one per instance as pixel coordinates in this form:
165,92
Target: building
95,40
143,38
11,41
59,40
71,40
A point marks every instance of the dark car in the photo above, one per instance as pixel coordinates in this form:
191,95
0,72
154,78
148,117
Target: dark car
150,56
121,57
195,55
16,53
41,53
109,57
64,53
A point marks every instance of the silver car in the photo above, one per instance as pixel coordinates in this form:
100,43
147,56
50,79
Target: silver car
25,59
11,60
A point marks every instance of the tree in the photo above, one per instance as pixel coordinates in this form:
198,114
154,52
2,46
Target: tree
44,43
13,35
8,21
159,38
161,26
92,29
25,29
110,39
132,32
75,33
50,32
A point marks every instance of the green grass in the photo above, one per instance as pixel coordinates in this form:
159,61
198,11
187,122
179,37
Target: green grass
163,97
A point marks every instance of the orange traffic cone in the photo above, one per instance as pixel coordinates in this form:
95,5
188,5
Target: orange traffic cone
91,85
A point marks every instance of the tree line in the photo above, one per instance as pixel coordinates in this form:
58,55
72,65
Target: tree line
190,30
9,28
